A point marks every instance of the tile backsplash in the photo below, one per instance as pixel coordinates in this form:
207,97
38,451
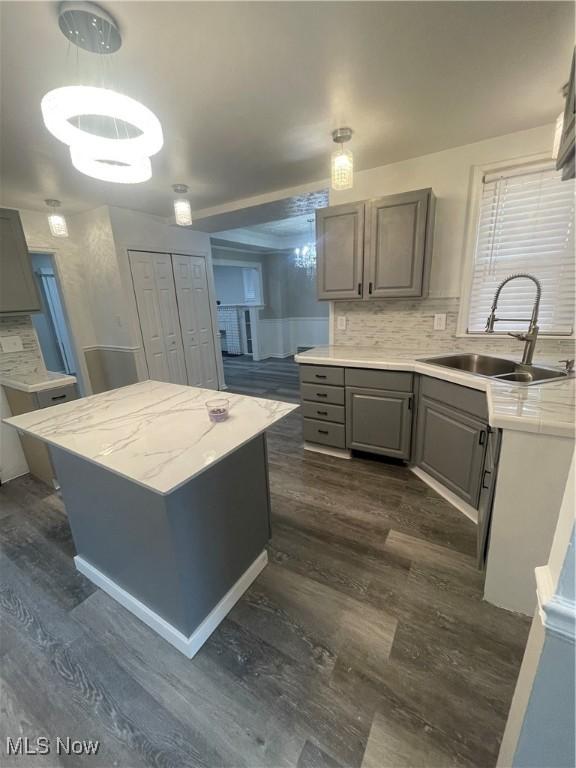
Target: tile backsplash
29,359
405,324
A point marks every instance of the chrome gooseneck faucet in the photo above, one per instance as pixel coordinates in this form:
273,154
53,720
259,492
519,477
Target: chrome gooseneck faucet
531,335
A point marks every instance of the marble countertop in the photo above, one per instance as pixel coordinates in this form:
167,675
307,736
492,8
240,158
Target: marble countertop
37,381
543,408
156,434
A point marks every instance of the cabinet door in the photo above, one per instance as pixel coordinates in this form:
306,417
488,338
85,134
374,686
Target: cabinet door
450,447
378,421
396,245
339,248
18,292
565,160
487,488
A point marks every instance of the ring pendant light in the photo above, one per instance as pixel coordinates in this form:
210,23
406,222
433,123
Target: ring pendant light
122,159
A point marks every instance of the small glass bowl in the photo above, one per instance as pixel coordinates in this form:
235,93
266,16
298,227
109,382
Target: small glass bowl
217,409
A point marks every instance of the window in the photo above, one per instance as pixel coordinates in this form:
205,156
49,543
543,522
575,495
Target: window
252,286
526,224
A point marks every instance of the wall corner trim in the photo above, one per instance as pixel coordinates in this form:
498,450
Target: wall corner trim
558,615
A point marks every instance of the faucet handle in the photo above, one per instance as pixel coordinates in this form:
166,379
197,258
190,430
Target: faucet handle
569,364
520,336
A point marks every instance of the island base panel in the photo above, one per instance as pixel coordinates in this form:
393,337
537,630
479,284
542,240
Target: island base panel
177,554
190,645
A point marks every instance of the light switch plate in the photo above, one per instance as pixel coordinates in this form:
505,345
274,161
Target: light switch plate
440,322
341,322
11,343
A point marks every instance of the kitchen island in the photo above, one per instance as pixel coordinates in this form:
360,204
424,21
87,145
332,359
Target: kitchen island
170,512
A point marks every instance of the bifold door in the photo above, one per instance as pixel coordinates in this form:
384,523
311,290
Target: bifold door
191,284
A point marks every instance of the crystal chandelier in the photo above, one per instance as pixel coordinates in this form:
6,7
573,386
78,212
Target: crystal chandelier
56,221
305,257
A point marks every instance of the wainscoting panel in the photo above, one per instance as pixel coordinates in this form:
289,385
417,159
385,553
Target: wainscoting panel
111,367
281,337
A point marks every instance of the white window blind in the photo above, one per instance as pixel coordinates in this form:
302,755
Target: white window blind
526,224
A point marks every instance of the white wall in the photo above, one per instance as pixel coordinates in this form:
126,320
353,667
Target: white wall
448,173
70,259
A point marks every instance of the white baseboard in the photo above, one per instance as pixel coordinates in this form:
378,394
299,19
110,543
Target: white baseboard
189,646
338,453
456,501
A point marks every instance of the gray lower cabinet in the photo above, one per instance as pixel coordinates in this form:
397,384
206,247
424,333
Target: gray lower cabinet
323,397
398,243
18,292
487,490
378,421
450,447
339,249
36,452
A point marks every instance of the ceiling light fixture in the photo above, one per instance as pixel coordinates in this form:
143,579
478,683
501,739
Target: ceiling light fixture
56,221
127,171
121,153
342,161
182,208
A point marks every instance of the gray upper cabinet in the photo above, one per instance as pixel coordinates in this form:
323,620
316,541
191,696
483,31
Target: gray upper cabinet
18,292
339,247
378,421
396,262
376,249
450,447
566,157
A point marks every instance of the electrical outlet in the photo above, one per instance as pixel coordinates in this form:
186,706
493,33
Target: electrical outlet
11,343
341,322
440,322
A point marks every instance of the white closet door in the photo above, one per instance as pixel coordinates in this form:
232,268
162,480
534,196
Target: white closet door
195,320
158,313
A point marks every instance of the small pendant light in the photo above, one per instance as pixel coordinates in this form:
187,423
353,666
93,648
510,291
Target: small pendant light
182,209
56,221
342,161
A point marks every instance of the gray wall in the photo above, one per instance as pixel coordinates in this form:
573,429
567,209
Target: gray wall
288,291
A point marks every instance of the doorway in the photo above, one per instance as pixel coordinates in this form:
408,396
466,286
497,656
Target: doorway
51,324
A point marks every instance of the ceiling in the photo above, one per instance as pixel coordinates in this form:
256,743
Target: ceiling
248,93
278,235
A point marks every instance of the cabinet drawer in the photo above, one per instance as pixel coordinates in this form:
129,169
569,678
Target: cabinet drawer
325,433
322,374
319,393
324,412
465,399
55,396
393,381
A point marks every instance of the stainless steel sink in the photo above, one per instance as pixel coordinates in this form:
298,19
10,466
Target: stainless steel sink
497,368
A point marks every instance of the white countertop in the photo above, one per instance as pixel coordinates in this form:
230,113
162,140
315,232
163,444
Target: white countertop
157,435
542,408
37,381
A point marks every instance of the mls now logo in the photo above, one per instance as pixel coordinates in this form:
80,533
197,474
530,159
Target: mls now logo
43,746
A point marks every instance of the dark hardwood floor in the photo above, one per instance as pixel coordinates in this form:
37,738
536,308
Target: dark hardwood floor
274,377
365,642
